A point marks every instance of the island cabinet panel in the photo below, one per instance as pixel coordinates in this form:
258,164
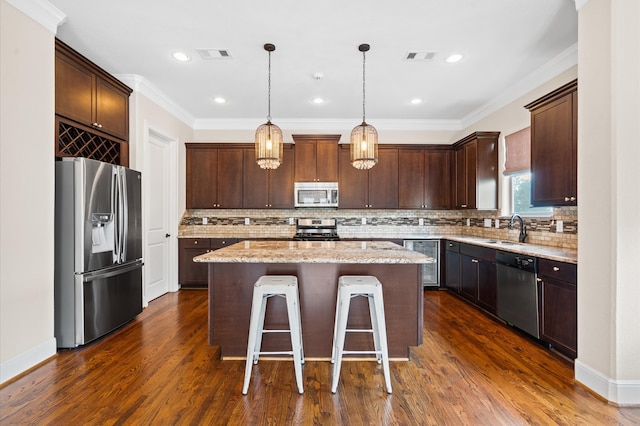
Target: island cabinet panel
214,177
478,281
192,274
316,158
476,171
374,188
554,138
424,179
268,188
231,289
558,310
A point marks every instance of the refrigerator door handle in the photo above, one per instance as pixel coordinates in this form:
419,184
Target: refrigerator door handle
116,217
110,272
124,215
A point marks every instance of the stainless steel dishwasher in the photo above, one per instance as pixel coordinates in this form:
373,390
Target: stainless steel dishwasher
518,291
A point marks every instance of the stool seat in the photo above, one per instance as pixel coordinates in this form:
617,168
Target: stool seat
265,287
350,286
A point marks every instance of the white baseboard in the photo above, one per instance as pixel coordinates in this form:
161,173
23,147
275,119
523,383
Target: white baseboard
21,363
624,393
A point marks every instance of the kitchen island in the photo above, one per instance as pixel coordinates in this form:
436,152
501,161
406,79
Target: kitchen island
234,269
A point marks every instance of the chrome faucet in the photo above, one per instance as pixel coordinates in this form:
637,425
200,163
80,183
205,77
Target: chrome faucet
523,229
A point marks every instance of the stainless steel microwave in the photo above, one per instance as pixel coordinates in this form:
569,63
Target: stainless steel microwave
316,194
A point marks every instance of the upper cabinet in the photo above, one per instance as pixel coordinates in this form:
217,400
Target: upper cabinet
268,188
554,124
424,178
376,188
316,158
88,95
214,176
476,171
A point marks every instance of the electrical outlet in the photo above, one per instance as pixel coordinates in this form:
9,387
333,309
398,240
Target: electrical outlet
292,221
468,222
487,223
364,220
559,226
247,221
497,223
421,221
205,220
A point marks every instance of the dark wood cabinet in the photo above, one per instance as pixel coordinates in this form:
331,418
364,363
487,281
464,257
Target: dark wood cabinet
214,176
452,266
192,274
554,125
268,188
375,188
558,307
476,171
88,95
316,158
478,281
424,178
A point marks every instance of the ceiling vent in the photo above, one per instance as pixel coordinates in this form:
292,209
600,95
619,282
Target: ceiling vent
214,53
420,56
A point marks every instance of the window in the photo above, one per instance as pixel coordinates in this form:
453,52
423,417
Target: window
521,196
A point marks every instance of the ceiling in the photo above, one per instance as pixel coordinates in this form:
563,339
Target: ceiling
504,43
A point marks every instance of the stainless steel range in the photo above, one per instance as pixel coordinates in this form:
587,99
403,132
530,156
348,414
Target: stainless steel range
316,230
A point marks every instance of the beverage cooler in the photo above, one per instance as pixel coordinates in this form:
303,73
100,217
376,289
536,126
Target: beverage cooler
430,271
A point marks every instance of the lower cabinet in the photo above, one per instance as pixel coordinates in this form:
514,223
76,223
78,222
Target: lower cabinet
478,275
558,307
452,266
192,274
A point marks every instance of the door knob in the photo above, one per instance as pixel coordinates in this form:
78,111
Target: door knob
167,235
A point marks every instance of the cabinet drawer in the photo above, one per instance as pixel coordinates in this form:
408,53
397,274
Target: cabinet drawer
216,243
478,252
194,243
567,272
453,246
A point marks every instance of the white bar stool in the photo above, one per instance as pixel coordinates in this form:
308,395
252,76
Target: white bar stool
350,286
267,286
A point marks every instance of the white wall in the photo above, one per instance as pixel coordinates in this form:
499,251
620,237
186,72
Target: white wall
609,199
26,192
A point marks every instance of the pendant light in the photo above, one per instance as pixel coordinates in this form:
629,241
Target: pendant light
364,137
268,135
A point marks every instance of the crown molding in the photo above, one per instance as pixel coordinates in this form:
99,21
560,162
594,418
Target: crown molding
41,11
580,3
146,88
564,61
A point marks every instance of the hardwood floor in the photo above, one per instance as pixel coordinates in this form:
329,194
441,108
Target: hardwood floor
160,370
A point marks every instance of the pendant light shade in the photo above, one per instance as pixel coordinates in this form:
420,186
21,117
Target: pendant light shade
268,135
364,137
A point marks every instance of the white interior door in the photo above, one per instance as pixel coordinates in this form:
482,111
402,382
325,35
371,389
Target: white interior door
157,259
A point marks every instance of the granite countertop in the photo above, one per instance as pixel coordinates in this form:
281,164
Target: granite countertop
546,252
314,252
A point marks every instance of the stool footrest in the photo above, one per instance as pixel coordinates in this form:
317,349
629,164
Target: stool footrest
276,331
363,352
359,330
274,353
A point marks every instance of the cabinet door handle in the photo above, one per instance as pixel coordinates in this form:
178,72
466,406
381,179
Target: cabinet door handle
573,198
463,205
195,242
539,280
474,260
556,269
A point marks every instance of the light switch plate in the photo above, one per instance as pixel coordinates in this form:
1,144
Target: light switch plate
205,220
559,226
364,220
468,222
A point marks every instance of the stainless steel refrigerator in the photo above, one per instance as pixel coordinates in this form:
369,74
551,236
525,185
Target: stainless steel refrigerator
98,249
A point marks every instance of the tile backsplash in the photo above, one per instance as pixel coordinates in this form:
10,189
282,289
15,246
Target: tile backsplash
384,224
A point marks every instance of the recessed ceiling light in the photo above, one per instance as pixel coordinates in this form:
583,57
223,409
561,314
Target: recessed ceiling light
416,101
181,56
453,58
317,101
219,100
